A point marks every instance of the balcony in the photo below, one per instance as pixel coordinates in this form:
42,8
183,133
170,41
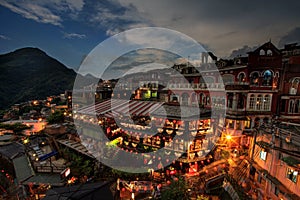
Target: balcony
199,86
237,86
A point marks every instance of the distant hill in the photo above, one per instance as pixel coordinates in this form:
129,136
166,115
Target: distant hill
29,73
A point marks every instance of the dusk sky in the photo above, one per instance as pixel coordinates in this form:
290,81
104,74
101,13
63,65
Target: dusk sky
69,29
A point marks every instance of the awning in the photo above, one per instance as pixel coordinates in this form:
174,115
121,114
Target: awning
102,107
113,107
137,108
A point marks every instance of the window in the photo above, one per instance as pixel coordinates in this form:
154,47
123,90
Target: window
254,78
291,106
240,104
247,123
269,52
267,102
201,99
268,78
230,100
263,155
185,99
297,106
238,125
276,191
231,124
259,102
228,79
207,100
262,52
282,107
174,98
252,102
292,175
294,85
242,77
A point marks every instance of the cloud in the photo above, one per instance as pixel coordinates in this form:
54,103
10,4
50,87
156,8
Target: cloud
290,37
222,25
242,51
138,61
74,36
44,11
31,10
3,37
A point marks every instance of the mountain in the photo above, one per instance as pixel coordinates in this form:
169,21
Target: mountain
29,73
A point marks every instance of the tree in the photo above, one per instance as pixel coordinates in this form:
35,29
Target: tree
56,117
178,189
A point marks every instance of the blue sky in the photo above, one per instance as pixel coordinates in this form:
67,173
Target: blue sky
69,29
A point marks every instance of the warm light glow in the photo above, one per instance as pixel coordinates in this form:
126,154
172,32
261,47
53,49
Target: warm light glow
228,137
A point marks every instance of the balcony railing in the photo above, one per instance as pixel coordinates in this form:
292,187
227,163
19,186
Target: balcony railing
196,85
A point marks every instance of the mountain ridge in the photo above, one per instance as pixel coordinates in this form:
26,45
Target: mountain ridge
29,73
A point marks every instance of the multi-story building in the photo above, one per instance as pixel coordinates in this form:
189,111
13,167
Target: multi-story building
254,90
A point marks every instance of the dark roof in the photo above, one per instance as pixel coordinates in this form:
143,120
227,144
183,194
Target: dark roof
12,150
45,178
90,191
23,168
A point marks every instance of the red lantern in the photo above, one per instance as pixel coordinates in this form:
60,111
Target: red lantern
123,189
145,188
168,182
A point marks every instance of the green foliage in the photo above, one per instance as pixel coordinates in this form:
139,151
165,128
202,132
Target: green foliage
56,117
178,189
78,165
17,127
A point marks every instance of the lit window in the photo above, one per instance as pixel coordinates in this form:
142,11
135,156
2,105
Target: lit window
263,155
267,79
254,78
294,85
292,175
242,77
259,102
267,102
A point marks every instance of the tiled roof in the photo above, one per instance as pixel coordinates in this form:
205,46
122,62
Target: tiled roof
12,150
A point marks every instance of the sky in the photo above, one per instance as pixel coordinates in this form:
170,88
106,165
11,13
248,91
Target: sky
69,29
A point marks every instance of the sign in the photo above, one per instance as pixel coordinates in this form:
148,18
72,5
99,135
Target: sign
65,173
